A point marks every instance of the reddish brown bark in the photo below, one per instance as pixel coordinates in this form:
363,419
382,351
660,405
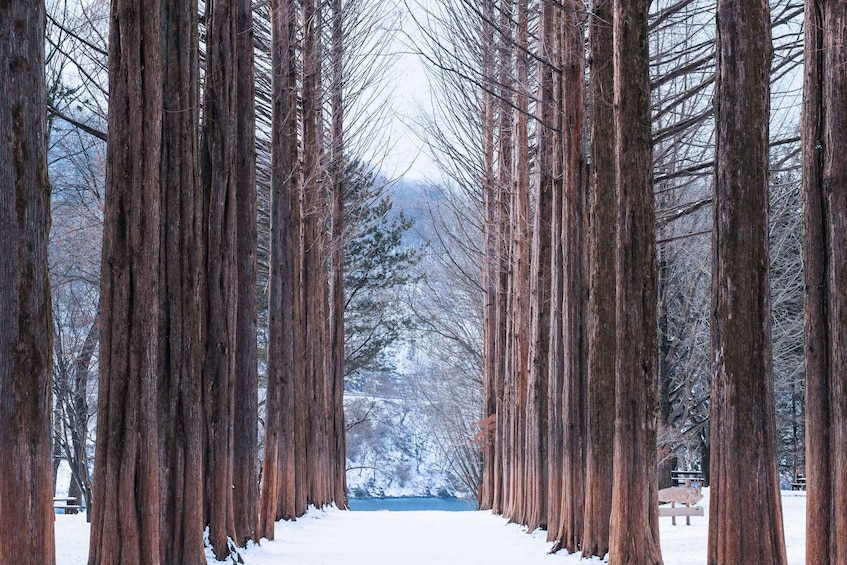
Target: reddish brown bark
315,321
338,456
300,397
503,452
742,403
634,532
573,399
126,512
601,311
521,242
824,134
279,473
182,293
26,520
546,181
556,367
218,160
245,449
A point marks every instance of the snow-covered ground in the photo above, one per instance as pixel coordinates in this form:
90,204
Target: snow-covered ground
440,538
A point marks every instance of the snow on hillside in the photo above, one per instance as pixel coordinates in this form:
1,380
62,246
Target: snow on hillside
442,538
391,451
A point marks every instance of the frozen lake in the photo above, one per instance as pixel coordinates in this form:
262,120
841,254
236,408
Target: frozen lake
409,504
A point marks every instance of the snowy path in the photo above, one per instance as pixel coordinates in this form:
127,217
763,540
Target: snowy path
436,538
410,538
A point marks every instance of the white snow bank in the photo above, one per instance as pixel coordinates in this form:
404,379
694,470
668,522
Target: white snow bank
72,532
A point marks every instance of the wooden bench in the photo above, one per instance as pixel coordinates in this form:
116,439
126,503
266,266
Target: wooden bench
681,495
673,511
799,482
68,505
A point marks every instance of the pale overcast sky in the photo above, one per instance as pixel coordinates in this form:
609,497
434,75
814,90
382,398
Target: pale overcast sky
411,97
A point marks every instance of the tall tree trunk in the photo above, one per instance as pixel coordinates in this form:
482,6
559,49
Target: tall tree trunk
300,397
315,317
489,263
182,293
246,447
520,271
556,367
503,453
742,405
545,182
80,410
600,321
574,393
667,462
219,181
126,511
824,133
634,531
337,161
75,407
278,497
26,339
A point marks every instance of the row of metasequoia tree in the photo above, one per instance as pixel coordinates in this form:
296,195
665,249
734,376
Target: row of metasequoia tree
571,276
682,70
177,430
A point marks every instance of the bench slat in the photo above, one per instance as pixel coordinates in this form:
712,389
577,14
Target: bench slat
680,511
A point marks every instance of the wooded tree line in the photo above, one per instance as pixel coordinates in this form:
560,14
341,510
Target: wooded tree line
202,274
580,385
176,315
77,96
